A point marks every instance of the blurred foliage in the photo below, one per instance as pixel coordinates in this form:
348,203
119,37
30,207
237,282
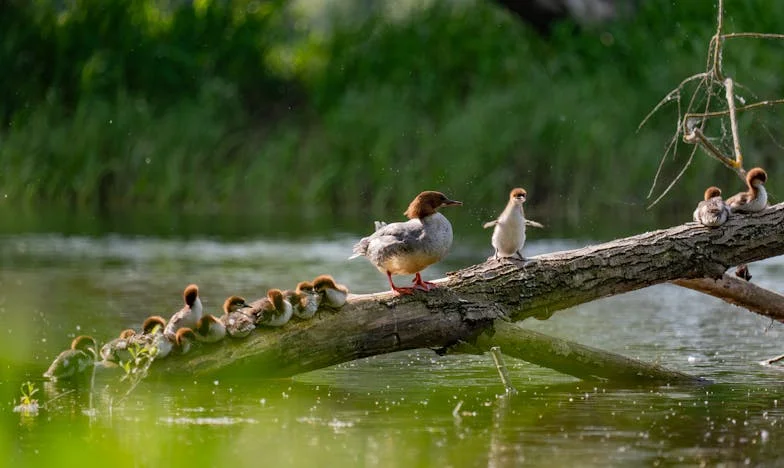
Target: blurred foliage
97,49
239,103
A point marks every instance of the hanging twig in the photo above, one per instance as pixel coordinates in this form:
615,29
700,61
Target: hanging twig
500,366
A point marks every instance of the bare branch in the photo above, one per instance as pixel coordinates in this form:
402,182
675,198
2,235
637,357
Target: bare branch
741,293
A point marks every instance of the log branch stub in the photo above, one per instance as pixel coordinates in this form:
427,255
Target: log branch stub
740,293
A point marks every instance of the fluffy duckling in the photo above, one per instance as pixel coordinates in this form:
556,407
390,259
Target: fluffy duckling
308,300
184,340
409,247
712,211
188,315
755,198
238,325
271,311
332,294
116,350
152,336
209,329
74,361
509,233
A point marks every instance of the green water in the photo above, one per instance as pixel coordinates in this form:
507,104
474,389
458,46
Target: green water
393,410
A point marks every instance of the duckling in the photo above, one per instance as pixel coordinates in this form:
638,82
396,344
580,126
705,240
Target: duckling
271,311
238,325
209,329
116,350
184,340
509,233
152,336
712,211
308,302
188,315
74,361
409,247
332,294
755,198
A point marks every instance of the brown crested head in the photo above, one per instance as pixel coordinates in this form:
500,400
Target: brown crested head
756,176
233,304
204,324
428,203
323,282
84,343
127,333
190,294
304,286
184,334
518,194
711,192
152,324
276,297
291,296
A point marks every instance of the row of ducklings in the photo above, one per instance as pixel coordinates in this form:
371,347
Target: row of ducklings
714,211
190,325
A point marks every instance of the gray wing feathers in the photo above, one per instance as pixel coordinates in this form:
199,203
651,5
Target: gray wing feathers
389,240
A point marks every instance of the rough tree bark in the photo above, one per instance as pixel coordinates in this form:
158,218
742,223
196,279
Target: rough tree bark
471,301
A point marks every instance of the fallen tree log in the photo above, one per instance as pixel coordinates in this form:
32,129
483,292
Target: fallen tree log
471,300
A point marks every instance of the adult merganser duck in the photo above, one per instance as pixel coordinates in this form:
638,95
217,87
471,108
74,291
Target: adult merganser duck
116,350
188,315
712,211
238,325
209,329
330,293
409,247
309,300
509,233
271,311
74,361
183,340
755,198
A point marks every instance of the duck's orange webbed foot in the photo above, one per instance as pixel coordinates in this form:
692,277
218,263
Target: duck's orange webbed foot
419,283
398,290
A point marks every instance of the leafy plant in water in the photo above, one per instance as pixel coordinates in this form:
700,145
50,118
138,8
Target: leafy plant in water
27,404
137,367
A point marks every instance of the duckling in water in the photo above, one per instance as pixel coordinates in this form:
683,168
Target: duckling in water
75,361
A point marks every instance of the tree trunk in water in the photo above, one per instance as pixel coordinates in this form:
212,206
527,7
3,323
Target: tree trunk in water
473,300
